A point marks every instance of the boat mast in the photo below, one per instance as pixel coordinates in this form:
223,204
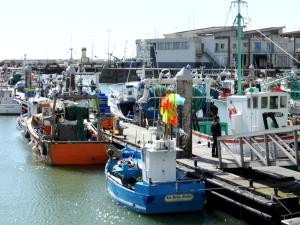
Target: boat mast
239,47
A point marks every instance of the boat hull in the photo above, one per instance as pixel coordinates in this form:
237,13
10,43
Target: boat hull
67,152
87,153
10,109
159,197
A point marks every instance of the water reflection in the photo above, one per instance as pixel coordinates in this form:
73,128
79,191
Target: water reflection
36,194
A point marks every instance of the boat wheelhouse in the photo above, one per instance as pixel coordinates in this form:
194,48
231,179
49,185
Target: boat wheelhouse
9,105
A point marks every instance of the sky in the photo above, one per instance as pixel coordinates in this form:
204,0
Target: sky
47,29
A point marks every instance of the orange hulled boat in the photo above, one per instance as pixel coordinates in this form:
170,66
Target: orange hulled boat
58,133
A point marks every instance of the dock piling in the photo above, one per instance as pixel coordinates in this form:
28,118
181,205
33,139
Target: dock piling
296,148
184,82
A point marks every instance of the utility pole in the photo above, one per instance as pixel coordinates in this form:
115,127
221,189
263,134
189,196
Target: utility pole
108,54
92,49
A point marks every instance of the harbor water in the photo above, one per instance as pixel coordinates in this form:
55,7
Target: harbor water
37,194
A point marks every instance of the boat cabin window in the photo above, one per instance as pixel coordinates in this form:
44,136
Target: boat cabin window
255,102
46,111
273,102
39,109
264,102
283,101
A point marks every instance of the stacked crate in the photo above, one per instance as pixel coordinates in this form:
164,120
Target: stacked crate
103,106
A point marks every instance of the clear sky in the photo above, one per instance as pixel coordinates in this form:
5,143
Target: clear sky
48,28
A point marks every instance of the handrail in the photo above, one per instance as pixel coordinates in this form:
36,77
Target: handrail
290,156
260,133
232,154
255,152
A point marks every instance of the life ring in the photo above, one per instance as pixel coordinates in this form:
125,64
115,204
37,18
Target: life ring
231,111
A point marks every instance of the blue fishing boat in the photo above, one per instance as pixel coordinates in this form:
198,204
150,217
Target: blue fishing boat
148,182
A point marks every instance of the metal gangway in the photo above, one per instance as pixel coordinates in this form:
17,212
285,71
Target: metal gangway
258,146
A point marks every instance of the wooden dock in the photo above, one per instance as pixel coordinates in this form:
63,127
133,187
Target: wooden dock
267,193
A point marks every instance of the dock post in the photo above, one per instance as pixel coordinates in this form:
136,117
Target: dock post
242,152
220,155
296,148
99,128
184,83
267,150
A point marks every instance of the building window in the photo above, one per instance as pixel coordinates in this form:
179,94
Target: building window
271,47
234,46
222,46
284,45
257,46
245,45
159,46
176,45
184,45
217,47
172,45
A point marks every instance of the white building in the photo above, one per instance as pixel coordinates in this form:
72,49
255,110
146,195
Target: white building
216,47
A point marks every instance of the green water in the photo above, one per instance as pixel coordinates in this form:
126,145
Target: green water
32,193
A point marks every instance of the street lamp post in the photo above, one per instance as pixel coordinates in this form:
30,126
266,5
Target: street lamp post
108,55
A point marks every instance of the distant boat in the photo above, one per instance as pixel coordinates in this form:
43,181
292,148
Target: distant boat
290,83
148,181
122,99
9,105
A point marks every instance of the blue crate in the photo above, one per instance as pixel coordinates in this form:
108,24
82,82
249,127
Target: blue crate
29,94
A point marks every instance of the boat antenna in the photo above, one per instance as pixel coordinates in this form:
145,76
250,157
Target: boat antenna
239,46
278,46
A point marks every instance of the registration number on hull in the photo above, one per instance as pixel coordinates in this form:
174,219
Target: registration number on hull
179,198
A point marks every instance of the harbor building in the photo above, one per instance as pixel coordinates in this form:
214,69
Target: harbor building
215,47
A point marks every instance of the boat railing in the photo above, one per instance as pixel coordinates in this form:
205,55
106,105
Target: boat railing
155,119
178,181
117,88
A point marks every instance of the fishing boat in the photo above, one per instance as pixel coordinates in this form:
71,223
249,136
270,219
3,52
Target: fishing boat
122,99
146,179
139,101
247,111
148,182
9,105
252,112
290,83
58,134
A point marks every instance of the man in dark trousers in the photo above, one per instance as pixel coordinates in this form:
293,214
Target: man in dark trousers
215,131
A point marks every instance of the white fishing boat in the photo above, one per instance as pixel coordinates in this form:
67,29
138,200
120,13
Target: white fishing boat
248,111
255,111
9,105
126,99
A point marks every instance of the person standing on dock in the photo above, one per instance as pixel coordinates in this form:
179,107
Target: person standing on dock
215,131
